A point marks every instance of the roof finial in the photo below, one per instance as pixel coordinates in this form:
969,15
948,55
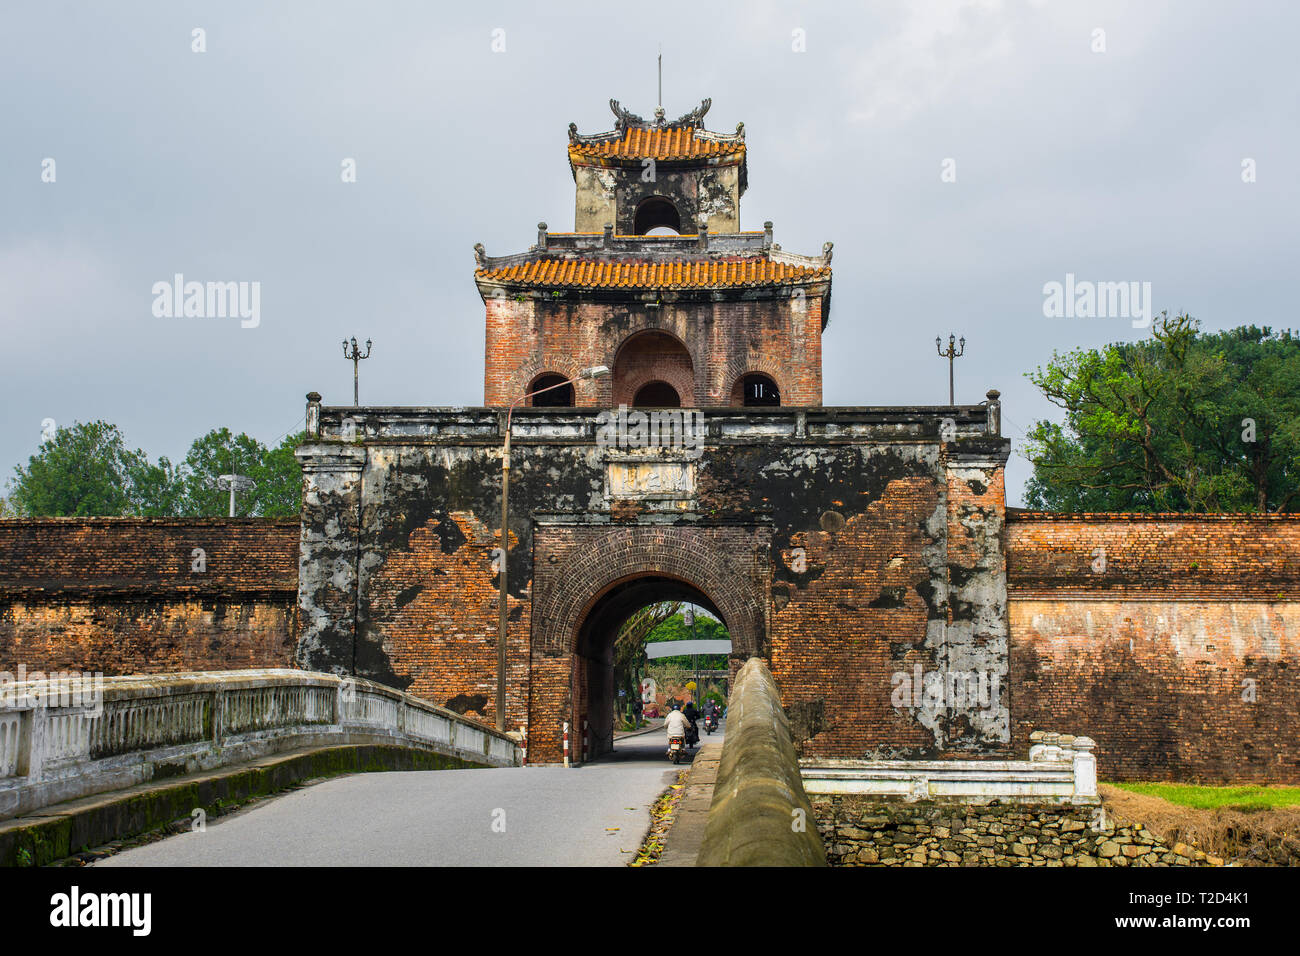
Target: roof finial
661,76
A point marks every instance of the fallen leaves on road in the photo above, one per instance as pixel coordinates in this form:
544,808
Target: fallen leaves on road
661,820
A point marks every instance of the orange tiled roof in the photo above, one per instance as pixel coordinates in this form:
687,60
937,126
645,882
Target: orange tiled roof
658,144
703,274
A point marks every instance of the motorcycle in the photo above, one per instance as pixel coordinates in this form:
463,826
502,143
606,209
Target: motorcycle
711,723
676,747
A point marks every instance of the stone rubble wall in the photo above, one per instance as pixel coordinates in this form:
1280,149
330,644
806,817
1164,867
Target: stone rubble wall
860,831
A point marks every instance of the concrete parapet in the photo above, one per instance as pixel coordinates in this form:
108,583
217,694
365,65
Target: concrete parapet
760,815
1061,769
62,738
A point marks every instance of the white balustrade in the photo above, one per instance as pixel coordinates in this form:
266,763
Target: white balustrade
1061,769
56,745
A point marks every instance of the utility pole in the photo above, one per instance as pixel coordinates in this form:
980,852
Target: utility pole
236,483
355,358
595,371
688,618
950,354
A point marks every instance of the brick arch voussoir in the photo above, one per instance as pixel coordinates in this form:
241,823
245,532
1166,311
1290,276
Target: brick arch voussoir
523,377
682,380
738,598
737,369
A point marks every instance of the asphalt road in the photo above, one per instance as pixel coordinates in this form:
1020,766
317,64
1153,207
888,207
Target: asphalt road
595,815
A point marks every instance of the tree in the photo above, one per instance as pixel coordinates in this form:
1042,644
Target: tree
629,645
217,453
280,479
674,628
275,472
156,490
1184,421
79,471
88,470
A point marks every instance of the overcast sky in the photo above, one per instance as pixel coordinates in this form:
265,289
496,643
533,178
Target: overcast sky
1122,165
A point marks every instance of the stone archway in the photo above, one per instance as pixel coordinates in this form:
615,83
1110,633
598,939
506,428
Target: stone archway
576,567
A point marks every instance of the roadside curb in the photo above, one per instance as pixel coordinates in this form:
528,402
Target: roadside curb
637,733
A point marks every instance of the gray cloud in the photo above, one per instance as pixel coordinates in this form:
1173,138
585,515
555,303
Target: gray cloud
225,166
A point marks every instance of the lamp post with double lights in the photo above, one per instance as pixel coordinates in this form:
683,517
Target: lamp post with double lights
595,371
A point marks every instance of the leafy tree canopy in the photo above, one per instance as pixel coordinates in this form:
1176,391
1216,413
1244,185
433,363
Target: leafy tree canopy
706,628
88,470
1183,421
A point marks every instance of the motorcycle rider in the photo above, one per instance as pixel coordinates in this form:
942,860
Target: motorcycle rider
676,724
692,715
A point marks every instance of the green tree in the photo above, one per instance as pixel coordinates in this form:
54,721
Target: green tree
279,479
80,471
88,470
629,646
674,628
1184,421
156,489
217,453
275,473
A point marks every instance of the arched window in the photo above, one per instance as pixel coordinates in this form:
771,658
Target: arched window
659,214
757,391
555,398
651,357
657,395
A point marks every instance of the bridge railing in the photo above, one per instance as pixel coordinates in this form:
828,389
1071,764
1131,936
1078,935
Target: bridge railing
760,814
72,736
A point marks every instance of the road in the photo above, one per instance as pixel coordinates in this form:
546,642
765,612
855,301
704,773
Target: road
593,815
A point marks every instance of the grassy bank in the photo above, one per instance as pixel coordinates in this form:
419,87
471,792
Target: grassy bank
1211,798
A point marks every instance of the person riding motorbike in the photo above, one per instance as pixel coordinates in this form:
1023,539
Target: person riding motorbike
692,715
676,724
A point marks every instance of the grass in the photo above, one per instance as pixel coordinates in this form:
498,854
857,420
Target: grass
1211,798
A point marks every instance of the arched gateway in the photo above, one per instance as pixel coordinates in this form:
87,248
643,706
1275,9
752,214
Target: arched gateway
848,546
589,580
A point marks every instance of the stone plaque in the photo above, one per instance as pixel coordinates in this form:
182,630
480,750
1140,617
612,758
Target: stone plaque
650,479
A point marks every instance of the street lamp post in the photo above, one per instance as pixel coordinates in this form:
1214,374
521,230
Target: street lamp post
595,371
951,353
355,357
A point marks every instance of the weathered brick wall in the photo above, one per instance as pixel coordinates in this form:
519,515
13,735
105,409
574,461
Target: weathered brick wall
1179,655
830,557
531,334
124,596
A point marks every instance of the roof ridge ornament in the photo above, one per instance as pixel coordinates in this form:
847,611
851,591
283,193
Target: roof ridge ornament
696,116
625,119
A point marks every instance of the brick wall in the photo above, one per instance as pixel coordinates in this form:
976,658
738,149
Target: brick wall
529,335
1179,655
126,595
